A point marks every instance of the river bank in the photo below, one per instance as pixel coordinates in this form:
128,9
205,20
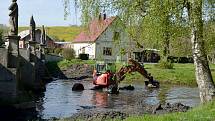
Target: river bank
181,74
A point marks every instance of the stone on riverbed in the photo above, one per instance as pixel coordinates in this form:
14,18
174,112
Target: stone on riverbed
129,87
78,87
176,107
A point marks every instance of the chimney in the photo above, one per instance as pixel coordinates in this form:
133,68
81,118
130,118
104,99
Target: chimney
100,16
104,16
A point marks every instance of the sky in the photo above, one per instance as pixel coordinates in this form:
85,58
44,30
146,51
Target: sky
45,12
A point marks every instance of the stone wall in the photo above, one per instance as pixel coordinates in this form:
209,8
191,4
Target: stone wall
3,56
27,73
8,77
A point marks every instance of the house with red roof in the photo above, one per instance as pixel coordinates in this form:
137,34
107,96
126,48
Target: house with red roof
25,37
104,40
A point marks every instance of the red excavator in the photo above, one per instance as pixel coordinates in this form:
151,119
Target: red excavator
111,80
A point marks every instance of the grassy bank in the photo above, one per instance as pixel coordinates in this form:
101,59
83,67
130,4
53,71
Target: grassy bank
183,74
201,113
67,33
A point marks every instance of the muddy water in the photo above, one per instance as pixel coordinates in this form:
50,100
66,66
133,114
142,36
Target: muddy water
60,101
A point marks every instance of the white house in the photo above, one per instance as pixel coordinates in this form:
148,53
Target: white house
25,37
104,40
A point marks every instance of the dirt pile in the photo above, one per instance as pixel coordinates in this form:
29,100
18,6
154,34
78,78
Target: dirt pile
78,71
123,113
75,71
167,108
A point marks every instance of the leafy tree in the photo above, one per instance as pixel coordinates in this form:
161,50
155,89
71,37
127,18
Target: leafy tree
159,23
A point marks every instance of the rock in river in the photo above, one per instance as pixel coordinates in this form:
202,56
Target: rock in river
78,87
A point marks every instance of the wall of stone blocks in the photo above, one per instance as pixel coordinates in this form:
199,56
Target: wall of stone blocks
3,56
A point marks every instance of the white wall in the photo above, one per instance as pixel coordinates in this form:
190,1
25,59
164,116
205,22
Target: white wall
89,49
106,40
95,50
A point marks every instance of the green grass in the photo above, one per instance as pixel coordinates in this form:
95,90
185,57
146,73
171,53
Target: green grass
182,74
201,113
67,33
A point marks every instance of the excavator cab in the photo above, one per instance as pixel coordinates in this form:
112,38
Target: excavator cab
103,73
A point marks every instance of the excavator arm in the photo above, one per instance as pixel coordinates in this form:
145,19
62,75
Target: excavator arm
134,66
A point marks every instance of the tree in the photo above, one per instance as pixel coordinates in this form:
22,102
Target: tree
203,74
164,17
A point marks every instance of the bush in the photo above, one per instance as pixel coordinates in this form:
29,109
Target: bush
165,64
58,50
68,53
50,50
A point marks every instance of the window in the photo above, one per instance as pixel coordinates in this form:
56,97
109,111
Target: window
116,36
107,51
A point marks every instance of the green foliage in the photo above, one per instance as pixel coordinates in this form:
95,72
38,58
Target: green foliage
61,33
50,50
159,24
68,53
165,64
200,113
58,51
122,51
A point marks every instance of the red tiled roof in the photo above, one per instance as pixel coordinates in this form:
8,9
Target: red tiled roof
95,29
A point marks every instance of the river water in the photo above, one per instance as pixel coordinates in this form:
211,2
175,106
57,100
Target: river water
59,101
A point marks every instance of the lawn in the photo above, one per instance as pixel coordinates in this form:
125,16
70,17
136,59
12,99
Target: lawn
182,74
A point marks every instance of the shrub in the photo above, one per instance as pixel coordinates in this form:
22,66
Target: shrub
58,50
68,53
165,64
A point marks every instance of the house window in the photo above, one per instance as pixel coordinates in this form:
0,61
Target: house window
107,51
116,36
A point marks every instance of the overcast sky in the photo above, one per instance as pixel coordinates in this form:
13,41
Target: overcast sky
45,12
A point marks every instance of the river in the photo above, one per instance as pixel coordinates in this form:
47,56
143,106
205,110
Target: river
59,101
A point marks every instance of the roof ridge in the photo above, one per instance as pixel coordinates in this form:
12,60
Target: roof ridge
94,31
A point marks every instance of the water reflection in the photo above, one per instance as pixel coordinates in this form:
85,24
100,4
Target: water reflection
100,99
60,101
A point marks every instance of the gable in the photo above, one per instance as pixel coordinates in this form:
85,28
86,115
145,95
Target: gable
95,29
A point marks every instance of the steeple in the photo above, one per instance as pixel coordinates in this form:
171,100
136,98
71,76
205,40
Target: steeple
43,36
32,29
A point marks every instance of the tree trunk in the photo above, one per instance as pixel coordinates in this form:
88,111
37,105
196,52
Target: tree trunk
202,71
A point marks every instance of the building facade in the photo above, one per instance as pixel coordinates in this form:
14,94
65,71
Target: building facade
104,40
